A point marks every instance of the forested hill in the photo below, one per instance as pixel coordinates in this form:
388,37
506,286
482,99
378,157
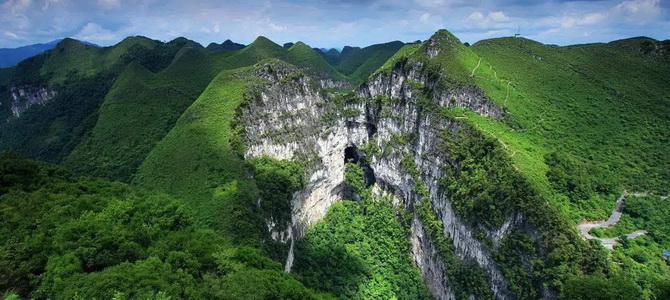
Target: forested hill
169,170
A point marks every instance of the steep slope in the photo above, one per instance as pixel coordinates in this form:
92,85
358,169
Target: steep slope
313,63
332,56
260,49
347,51
5,95
196,161
56,95
299,55
471,218
586,124
46,121
579,101
140,108
360,64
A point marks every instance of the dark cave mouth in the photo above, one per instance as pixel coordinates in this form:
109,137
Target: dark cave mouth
353,155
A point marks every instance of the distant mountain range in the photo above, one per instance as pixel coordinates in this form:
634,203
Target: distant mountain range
12,56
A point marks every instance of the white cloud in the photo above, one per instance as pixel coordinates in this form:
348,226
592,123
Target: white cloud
430,3
583,20
108,4
496,19
11,35
426,21
17,6
425,18
346,27
496,33
640,11
95,33
276,27
47,3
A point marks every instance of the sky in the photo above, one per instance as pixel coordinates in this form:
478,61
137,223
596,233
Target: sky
331,23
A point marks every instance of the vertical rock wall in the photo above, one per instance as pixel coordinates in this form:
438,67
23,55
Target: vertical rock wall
292,118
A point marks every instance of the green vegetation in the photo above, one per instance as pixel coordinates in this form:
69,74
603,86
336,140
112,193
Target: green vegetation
486,188
200,161
645,213
196,162
276,182
50,132
602,105
360,64
581,125
139,110
403,52
360,250
581,130
68,238
82,76
302,55
5,97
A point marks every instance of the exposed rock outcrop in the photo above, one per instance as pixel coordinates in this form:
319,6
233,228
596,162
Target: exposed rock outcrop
23,97
294,119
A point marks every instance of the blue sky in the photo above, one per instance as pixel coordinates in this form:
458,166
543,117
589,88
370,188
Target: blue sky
330,23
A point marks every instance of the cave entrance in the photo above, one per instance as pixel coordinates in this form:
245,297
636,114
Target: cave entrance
353,155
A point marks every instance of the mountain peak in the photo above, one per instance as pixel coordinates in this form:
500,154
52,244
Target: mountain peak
300,45
227,45
262,40
440,41
444,37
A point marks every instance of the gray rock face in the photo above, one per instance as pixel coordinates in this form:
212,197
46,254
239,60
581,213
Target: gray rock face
334,84
294,119
401,81
428,260
23,97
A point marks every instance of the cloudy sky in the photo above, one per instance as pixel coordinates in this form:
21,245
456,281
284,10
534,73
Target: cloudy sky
330,23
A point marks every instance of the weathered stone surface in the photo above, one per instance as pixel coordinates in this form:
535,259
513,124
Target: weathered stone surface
23,97
293,119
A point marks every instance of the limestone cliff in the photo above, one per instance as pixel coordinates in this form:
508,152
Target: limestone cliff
23,97
292,118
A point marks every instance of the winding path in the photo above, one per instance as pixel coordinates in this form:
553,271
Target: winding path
585,227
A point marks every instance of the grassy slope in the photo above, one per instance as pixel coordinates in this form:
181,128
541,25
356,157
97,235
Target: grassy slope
141,108
260,49
606,104
300,55
304,56
360,64
195,160
138,111
73,57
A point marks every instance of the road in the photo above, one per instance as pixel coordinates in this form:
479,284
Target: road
614,218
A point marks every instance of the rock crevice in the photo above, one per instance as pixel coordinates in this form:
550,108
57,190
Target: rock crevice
294,119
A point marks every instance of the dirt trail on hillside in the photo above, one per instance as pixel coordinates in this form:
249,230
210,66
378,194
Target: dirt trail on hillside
609,243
